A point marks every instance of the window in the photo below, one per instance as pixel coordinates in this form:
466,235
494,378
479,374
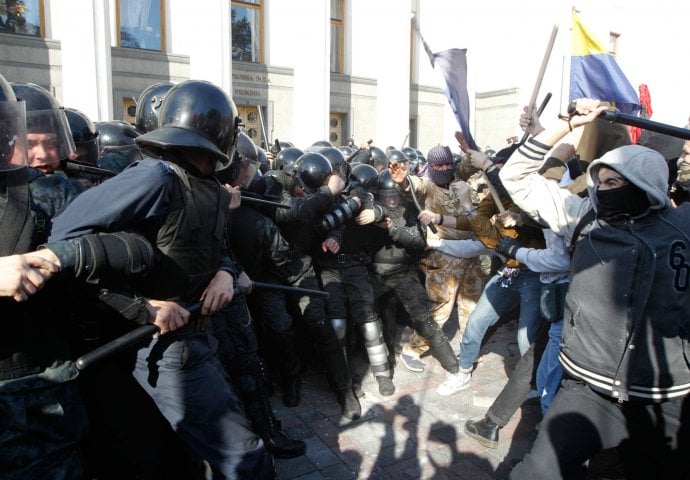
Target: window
337,35
613,43
251,121
129,110
246,31
24,17
141,24
335,129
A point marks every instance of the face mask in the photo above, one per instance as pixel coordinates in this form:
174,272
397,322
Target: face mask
441,177
627,199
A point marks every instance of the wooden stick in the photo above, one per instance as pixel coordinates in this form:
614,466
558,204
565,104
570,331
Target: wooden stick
542,70
494,193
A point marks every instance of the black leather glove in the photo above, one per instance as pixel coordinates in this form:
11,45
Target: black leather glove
507,247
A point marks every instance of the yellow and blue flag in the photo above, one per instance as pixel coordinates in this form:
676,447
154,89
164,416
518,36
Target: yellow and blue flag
594,72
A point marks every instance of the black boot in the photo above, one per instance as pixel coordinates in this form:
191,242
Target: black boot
442,351
337,369
292,390
286,344
484,431
349,404
257,406
279,444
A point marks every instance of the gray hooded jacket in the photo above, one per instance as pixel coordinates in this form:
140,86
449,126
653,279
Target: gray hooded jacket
627,318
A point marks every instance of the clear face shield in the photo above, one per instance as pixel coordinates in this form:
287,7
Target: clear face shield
49,139
13,148
389,198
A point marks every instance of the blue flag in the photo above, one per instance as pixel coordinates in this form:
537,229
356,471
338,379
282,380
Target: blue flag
453,66
594,72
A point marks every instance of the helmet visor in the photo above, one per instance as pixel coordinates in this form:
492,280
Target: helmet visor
12,135
48,137
389,198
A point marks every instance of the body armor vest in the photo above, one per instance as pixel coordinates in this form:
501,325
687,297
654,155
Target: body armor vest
191,238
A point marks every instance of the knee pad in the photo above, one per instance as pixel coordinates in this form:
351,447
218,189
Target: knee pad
371,331
340,327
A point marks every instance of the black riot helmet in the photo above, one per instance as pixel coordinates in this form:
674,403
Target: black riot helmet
322,143
84,134
286,159
363,176
264,164
311,171
346,150
377,158
410,153
387,191
195,115
116,133
45,116
148,105
334,156
277,146
396,155
363,155
246,157
12,129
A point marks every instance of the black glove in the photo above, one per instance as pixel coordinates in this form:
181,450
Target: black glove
507,247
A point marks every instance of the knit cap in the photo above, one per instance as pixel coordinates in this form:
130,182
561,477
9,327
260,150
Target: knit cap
439,155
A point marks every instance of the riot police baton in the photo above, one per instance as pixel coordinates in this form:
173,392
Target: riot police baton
288,289
259,201
120,343
540,110
646,124
74,166
431,226
353,155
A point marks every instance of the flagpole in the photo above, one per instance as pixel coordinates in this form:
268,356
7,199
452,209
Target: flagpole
542,70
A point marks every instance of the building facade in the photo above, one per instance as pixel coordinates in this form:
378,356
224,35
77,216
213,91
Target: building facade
301,70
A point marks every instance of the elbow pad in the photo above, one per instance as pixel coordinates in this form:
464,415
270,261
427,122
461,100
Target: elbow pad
339,215
93,255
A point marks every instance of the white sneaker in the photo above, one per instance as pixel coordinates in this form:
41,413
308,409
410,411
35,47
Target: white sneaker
454,383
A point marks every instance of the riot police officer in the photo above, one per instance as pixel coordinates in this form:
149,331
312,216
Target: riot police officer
35,372
309,200
343,258
181,209
394,265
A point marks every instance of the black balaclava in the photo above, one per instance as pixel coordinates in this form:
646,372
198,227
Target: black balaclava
628,199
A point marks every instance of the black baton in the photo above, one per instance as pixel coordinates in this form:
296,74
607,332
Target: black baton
120,343
431,226
73,166
540,110
288,289
259,201
646,124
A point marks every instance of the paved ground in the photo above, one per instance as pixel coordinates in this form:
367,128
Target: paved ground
414,434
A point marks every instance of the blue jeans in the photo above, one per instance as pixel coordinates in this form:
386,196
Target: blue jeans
185,379
524,290
550,371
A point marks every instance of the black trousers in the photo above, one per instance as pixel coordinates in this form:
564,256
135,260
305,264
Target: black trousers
653,438
517,389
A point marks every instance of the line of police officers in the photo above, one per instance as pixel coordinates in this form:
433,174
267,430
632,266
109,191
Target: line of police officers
169,241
